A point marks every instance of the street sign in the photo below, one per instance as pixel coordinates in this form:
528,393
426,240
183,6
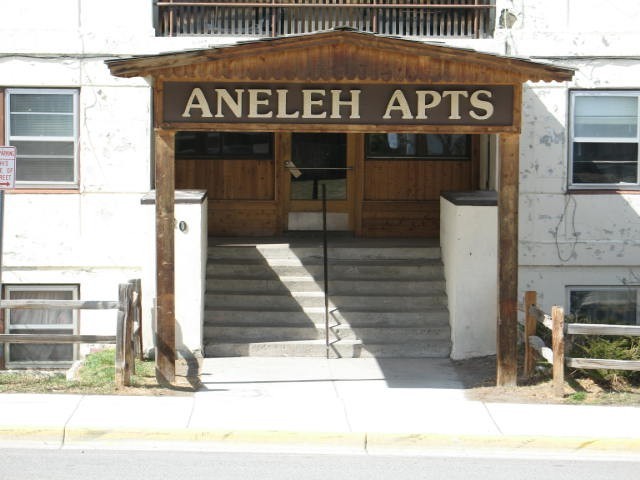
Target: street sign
7,167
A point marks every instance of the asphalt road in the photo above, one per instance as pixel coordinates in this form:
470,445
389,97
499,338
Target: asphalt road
20,464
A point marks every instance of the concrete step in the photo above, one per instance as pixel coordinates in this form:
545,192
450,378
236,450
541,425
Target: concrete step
265,298
372,270
435,316
314,253
338,349
296,301
236,334
307,284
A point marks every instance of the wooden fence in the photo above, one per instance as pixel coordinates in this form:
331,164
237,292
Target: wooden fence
128,337
436,18
555,355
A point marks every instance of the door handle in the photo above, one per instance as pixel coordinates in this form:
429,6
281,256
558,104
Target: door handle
293,170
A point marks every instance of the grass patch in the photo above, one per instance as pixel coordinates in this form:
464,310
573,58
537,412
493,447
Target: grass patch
96,376
577,397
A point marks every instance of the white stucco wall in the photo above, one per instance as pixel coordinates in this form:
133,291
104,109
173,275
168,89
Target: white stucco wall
190,269
469,239
92,237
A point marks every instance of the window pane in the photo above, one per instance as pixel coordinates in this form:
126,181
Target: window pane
44,125
41,102
392,144
197,144
402,145
605,162
616,307
325,157
40,317
229,145
604,116
246,144
61,149
447,145
33,169
41,352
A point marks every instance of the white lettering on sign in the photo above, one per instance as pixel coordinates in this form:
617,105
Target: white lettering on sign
354,103
7,167
436,98
481,104
197,100
282,105
398,102
318,103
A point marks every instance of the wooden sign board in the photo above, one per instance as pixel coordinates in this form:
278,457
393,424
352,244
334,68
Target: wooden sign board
367,104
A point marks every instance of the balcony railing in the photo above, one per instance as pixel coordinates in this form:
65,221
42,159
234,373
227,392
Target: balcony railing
271,18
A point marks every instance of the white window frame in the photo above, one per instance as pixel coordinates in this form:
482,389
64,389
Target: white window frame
601,93
572,288
73,327
73,184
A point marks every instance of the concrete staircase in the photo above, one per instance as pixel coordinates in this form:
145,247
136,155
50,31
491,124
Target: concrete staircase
266,298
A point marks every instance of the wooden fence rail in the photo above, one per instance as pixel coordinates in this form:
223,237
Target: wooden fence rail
128,337
555,355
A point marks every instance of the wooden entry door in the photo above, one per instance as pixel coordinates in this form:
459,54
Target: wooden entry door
317,161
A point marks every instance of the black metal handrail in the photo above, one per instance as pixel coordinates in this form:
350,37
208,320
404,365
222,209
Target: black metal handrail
325,262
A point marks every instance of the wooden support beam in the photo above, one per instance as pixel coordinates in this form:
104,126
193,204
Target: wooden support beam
507,331
165,256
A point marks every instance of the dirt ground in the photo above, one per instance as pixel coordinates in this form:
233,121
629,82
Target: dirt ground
479,378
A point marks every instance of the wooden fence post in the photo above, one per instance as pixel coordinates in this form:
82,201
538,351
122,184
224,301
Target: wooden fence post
557,343
530,322
123,336
138,317
129,351
122,313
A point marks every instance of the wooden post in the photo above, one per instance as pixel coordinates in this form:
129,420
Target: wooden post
507,331
165,257
130,348
120,329
557,345
530,323
137,288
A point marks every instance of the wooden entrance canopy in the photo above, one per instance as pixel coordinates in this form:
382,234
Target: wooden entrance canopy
341,58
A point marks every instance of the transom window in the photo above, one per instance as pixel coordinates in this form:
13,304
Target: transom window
42,125
604,139
609,305
419,146
43,322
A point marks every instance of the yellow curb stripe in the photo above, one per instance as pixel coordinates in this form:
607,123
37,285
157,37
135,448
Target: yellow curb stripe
84,435
48,435
582,444
352,440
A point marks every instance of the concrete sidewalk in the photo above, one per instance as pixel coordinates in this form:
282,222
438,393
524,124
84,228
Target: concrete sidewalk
371,405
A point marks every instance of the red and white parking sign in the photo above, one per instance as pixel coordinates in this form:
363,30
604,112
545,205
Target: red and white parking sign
7,167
